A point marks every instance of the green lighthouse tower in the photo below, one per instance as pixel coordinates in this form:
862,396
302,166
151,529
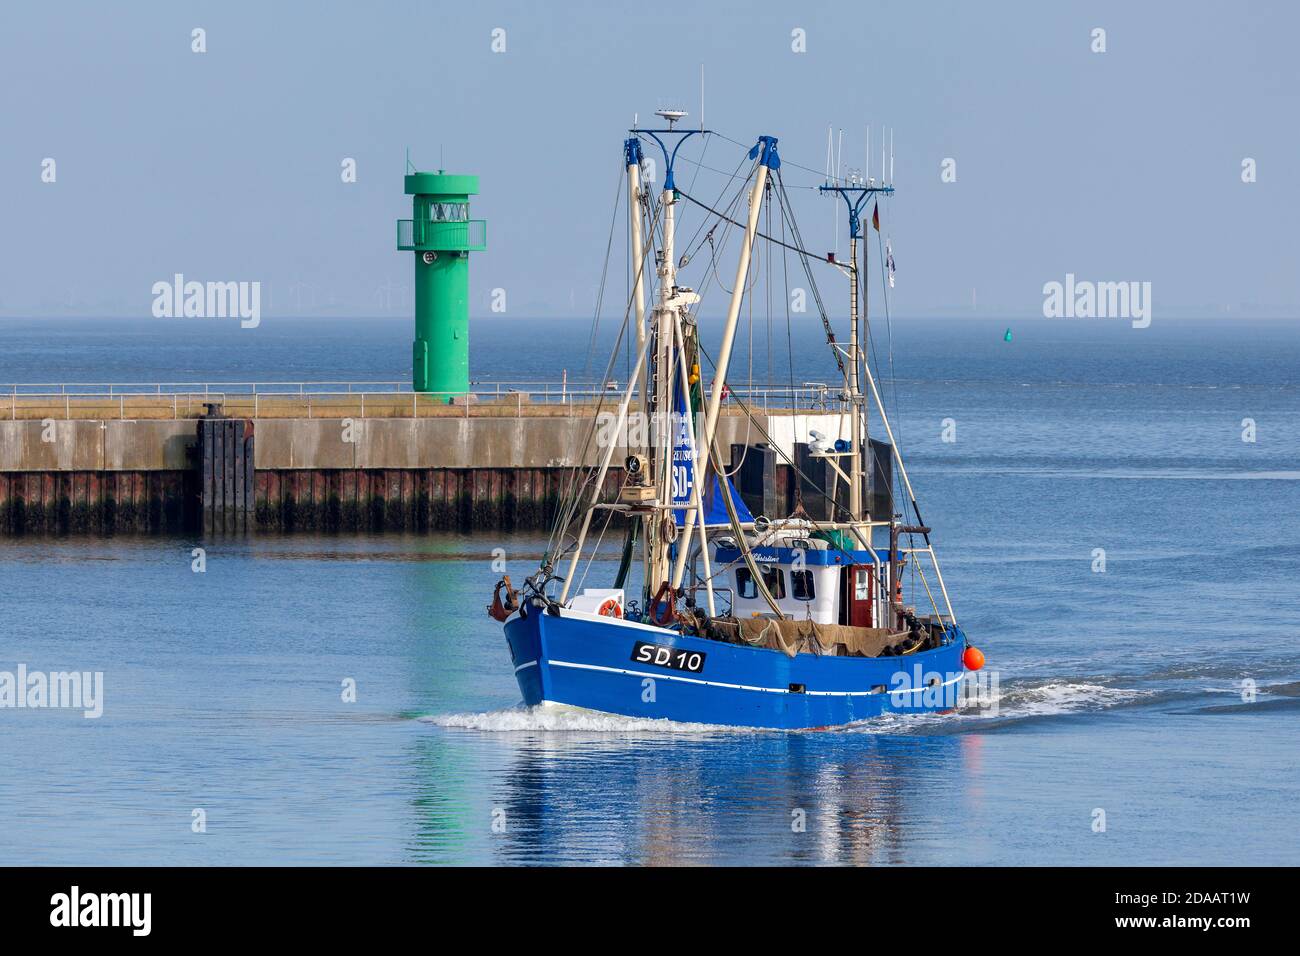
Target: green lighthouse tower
442,236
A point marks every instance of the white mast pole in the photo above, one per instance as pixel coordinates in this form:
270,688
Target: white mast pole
767,147
697,501
640,257
639,249
663,385
855,392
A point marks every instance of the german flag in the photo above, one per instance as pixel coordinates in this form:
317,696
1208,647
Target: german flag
875,217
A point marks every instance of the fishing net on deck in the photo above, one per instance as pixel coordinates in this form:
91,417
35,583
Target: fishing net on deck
808,637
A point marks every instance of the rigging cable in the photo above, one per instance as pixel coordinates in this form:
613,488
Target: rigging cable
572,491
916,508
604,275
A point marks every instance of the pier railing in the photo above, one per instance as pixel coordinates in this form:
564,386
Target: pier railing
176,400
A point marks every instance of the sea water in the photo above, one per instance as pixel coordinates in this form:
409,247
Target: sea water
1127,562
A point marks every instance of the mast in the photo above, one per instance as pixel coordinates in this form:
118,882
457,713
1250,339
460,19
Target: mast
632,156
765,152
855,392
697,501
662,378
662,356
639,247
855,194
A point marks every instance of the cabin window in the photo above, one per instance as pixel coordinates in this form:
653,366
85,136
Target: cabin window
801,585
862,584
745,584
773,578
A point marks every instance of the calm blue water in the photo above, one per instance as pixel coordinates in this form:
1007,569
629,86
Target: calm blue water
1121,691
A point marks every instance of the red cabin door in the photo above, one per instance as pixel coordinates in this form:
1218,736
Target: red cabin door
859,587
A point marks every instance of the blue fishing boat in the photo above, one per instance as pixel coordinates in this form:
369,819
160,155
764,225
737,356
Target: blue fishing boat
740,620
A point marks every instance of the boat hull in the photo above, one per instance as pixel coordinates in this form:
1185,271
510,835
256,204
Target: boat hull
609,665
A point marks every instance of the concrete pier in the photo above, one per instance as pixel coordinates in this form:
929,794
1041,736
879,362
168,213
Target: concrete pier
337,462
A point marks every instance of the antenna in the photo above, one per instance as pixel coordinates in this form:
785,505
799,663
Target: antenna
866,171
891,154
830,164
839,158
701,97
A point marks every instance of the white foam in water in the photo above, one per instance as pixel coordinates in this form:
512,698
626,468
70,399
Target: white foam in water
1063,698
555,718
1043,700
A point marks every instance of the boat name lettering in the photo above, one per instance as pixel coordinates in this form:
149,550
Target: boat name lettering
663,655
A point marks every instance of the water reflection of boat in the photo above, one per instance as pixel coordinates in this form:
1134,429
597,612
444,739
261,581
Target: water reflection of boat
679,799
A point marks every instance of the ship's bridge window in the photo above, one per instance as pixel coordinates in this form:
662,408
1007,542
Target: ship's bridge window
773,578
448,211
801,584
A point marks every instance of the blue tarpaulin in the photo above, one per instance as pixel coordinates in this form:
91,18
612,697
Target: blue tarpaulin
715,508
683,476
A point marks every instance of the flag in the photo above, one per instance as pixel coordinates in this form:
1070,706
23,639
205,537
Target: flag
875,217
889,262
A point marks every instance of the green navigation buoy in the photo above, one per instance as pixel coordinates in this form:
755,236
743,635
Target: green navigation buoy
442,236
1007,336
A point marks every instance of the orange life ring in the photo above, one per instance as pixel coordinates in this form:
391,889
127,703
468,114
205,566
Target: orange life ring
610,609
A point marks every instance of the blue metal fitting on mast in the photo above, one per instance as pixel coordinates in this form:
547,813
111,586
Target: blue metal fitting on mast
632,151
766,145
669,156
855,197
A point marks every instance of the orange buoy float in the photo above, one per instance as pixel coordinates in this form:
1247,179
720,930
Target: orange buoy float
973,658
610,609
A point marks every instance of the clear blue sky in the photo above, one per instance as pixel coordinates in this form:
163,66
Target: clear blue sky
225,165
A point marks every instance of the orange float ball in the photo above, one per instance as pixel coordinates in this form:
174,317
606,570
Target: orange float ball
973,658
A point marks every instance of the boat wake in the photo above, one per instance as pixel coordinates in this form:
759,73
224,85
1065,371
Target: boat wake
1062,697
1014,704
553,718
1017,703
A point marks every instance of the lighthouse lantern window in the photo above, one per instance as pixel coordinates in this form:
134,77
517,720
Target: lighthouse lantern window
448,211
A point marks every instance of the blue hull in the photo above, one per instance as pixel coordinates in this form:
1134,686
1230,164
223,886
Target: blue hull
596,663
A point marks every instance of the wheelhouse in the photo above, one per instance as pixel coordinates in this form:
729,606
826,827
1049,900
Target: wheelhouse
811,579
